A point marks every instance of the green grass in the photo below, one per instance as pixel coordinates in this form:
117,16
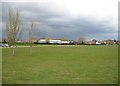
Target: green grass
0,66
62,65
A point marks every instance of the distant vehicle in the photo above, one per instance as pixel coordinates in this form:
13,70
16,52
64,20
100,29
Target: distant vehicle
1,45
4,45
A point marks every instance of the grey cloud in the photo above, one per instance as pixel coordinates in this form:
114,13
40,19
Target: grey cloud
52,23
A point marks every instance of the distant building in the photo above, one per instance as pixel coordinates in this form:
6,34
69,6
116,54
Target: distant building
52,41
42,41
110,42
65,42
34,40
97,42
118,42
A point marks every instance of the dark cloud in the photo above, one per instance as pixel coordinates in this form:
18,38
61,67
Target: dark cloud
55,23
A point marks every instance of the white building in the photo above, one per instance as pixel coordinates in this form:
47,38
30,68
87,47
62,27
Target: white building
42,41
65,42
98,43
54,41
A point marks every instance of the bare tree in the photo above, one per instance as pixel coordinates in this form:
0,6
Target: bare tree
31,33
13,29
81,40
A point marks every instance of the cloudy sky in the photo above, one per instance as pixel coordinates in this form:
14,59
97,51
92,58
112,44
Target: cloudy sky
71,19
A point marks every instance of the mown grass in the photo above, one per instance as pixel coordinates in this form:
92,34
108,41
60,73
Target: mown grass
0,66
61,65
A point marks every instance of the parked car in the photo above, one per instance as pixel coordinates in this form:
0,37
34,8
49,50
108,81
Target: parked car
1,45
4,45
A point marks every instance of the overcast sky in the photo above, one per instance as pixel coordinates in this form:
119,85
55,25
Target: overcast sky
93,19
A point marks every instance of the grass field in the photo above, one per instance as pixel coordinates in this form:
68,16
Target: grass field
61,65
